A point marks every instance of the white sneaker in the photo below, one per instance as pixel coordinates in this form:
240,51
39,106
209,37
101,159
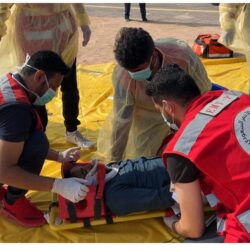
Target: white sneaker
78,139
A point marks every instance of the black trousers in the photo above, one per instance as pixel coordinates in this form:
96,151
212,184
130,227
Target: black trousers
142,9
31,160
70,101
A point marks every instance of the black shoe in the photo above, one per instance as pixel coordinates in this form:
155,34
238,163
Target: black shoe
144,19
127,19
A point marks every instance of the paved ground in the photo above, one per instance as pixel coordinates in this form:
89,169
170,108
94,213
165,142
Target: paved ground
188,14
183,21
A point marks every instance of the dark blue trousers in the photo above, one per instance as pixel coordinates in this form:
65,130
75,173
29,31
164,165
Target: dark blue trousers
32,159
141,185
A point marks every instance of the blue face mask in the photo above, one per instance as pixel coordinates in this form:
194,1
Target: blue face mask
141,75
47,96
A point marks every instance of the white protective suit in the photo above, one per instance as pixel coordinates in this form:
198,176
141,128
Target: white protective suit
135,128
25,28
235,24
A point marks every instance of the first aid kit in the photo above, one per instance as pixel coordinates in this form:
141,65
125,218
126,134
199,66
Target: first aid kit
207,46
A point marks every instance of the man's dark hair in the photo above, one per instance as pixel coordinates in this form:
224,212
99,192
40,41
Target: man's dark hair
172,82
48,61
133,46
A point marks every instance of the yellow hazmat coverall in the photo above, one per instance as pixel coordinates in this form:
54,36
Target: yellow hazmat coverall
26,27
235,24
135,128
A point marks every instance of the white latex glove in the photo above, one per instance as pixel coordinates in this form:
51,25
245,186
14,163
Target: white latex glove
73,189
86,33
170,220
71,154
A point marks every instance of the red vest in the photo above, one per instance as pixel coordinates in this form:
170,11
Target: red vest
215,136
12,92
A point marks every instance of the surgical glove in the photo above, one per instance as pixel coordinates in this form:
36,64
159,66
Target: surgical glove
170,221
86,32
73,189
71,154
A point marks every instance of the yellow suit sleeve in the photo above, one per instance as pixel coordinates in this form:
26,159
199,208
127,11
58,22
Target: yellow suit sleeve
4,14
123,115
81,14
228,15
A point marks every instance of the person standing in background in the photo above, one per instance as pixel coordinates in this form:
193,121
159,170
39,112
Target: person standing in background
33,27
142,10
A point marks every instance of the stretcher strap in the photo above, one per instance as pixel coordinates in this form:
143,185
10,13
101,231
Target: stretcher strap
109,219
72,212
86,223
53,204
98,209
108,216
100,189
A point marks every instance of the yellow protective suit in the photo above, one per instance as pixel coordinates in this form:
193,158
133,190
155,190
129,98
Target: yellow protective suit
135,128
235,23
29,27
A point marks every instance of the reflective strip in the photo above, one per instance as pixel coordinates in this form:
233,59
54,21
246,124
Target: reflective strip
196,126
244,219
39,35
212,199
221,225
218,55
6,90
48,34
45,10
191,133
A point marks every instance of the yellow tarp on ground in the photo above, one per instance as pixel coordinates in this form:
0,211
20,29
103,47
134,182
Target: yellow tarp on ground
96,102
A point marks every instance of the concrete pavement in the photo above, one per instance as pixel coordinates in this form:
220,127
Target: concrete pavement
182,21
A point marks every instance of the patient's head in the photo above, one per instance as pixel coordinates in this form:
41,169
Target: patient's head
80,171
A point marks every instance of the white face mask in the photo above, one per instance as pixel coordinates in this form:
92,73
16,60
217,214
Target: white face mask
172,124
47,96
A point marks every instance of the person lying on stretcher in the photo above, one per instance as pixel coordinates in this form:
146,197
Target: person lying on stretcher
142,184
138,185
